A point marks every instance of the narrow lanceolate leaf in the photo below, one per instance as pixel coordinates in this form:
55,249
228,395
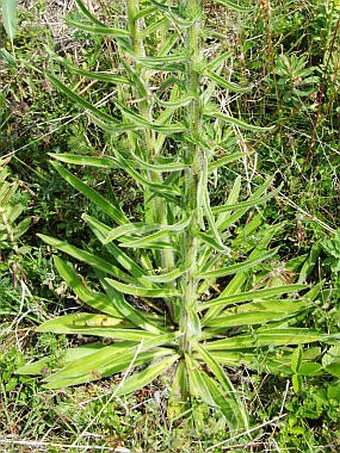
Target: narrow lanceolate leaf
182,102
101,76
88,15
84,322
105,363
198,387
219,60
212,224
108,208
225,219
144,377
233,287
166,63
137,317
99,29
93,324
101,230
167,129
268,337
251,295
226,160
64,357
232,5
152,241
179,392
94,299
246,204
228,319
141,291
74,159
87,257
167,277
82,102
154,27
130,230
9,17
230,402
222,82
237,122
168,167
158,189
239,267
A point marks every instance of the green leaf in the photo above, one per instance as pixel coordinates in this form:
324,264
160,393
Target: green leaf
82,102
247,204
237,122
137,317
95,324
154,27
232,269
136,162
233,287
9,17
181,102
261,316
226,219
74,159
226,160
157,188
331,361
231,403
102,76
145,377
297,382
310,369
113,359
98,301
108,208
99,29
296,359
166,62
7,58
87,14
130,229
179,392
166,277
251,295
333,391
101,231
268,337
198,386
142,291
219,61
151,241
221,81
87,257
39,366
140,121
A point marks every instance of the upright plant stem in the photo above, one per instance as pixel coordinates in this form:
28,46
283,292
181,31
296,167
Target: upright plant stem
189,321
158,212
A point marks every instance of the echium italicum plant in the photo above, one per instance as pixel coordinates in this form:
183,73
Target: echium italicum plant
160,298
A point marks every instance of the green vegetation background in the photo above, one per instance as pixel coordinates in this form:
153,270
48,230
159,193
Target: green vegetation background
292,56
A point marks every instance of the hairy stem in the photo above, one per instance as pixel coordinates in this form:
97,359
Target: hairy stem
158,212
189,321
